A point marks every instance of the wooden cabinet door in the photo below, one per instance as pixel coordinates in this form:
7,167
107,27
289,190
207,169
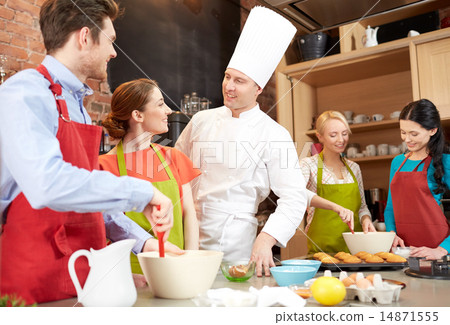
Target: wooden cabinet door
433,67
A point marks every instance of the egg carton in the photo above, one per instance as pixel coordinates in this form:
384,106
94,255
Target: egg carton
382,292
387,294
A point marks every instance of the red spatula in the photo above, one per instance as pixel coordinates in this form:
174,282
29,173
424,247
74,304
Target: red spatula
160,236
350,226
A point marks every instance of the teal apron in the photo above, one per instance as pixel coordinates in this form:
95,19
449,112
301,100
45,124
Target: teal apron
325,231
170,189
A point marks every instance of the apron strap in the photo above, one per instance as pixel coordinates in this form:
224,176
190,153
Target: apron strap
57,92
426,160
123,167
320,169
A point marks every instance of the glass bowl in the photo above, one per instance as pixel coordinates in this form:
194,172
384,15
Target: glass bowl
301,290
238,271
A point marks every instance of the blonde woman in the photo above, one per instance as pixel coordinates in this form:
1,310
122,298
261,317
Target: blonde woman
336,179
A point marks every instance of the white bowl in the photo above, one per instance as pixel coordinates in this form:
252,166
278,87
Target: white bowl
180,276
372,242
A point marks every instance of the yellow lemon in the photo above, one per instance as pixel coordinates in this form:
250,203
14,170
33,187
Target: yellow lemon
328,291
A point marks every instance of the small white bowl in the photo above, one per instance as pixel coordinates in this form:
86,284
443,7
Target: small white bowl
402,251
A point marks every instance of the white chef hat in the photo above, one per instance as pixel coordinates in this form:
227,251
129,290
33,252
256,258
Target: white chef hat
263,41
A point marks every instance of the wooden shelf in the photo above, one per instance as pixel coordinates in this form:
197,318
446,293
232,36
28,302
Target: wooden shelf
383,59
374,126
372,158
365,127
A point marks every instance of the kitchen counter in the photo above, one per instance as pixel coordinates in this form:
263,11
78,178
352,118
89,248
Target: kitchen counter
417,293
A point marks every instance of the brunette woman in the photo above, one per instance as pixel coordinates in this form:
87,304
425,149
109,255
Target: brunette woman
418,180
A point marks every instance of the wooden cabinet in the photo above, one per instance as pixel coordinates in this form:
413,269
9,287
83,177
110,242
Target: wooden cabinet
432,73
380,79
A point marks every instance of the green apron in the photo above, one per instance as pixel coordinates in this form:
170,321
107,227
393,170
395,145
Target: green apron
325,231
170,189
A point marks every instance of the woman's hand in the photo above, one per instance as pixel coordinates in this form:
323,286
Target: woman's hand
159,213
367,225
346,215
139,281
397,242
428,253
151,245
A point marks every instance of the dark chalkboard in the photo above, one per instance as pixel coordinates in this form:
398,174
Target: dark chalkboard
184,45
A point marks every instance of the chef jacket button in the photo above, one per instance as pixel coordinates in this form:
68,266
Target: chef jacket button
134,208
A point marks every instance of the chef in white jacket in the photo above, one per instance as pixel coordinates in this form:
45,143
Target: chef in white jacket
243,153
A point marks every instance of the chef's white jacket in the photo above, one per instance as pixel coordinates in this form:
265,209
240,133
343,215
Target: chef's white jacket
241,159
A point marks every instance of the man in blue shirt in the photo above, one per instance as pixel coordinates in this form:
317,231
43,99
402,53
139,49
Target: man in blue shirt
78,36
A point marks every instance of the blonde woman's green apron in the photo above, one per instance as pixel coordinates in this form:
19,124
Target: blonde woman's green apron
325,231
170,189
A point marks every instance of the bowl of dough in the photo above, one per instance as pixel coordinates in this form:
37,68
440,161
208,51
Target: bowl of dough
372,242
180,276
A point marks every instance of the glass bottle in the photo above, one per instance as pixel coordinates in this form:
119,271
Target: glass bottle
195,103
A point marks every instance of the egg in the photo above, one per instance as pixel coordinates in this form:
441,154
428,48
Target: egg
348,281
363,283
353,276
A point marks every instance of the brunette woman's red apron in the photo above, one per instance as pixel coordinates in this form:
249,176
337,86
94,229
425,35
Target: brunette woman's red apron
36,244
418,217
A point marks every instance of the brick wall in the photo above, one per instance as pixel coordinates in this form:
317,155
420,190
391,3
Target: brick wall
21,42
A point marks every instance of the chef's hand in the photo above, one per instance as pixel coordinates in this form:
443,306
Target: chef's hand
159,213
397,241
151,245
367,225
346,215
428,253
262,253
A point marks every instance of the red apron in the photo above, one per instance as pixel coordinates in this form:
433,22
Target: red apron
36,244
418,217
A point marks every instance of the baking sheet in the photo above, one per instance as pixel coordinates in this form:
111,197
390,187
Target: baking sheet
363,266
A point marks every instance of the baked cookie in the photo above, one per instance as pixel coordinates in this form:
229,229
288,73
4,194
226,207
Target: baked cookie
396,259
342,255
330,260
319,255
360,254
384,255
352,260
374,259
365,256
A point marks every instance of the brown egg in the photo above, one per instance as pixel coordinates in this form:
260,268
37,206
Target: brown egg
348,281
363,283
370,277
353,277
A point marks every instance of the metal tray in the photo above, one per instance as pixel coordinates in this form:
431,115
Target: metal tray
363,266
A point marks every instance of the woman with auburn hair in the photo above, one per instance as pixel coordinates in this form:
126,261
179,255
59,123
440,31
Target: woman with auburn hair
336,179
138,114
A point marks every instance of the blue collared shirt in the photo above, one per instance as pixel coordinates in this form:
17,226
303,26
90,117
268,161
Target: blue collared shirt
31,160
